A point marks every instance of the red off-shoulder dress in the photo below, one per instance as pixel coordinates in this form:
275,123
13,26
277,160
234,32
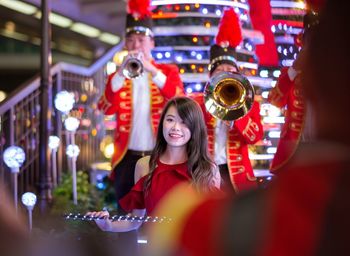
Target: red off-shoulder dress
165,177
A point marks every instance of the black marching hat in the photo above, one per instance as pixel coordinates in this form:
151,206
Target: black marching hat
228,38
139,18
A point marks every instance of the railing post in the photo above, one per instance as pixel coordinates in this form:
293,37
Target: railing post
45,182
57,129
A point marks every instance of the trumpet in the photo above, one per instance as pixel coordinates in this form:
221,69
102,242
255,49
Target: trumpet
228,96
133,67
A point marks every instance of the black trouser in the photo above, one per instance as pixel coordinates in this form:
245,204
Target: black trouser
226,184
124,181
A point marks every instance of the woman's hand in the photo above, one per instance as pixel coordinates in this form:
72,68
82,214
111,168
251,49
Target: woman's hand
102,219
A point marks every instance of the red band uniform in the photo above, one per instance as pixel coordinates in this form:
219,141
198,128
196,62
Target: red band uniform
246,131
287,94
229,147
120,103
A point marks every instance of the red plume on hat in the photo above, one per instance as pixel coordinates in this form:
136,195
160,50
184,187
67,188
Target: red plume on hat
139,8
229,33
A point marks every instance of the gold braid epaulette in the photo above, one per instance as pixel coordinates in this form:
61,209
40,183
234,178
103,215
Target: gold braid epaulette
104,103
251,129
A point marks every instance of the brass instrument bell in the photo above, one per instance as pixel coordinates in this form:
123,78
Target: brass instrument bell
228,96
133,67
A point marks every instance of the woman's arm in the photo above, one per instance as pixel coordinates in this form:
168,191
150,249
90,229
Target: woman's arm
105,224
141,168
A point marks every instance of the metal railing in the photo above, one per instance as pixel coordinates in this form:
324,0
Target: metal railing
20,120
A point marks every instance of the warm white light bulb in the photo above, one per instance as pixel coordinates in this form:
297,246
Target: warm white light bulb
71,124
108,151
72,150
14,157
64,101
54,142
29,199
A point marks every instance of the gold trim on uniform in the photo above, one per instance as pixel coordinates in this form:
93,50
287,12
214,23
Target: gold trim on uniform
157,99
124,128
153,109
178,91
104,102
128,83
297,92
240,170
125,116
250,178
249,130
295,126
234,145
125,96
298,104
297,115
125,105
255,126
237,158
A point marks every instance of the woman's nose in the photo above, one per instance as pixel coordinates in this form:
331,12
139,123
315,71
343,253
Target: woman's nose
176,126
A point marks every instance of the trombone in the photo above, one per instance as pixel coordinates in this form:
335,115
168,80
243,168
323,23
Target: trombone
228,96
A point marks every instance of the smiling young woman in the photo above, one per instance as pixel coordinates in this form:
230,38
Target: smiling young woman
180,156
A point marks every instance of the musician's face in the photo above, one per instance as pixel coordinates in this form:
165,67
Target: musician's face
140,43
175,131
224,67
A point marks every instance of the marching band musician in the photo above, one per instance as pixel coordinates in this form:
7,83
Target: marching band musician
287,94
137,102
229,145
304,210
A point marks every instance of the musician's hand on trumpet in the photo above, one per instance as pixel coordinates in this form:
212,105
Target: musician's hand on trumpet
149,67
102,219
134,64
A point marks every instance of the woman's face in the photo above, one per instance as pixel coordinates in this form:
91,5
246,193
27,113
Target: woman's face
175,131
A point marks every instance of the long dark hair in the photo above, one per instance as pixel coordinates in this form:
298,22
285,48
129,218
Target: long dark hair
200,166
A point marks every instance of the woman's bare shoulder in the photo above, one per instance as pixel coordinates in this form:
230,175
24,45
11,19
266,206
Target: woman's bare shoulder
142,167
